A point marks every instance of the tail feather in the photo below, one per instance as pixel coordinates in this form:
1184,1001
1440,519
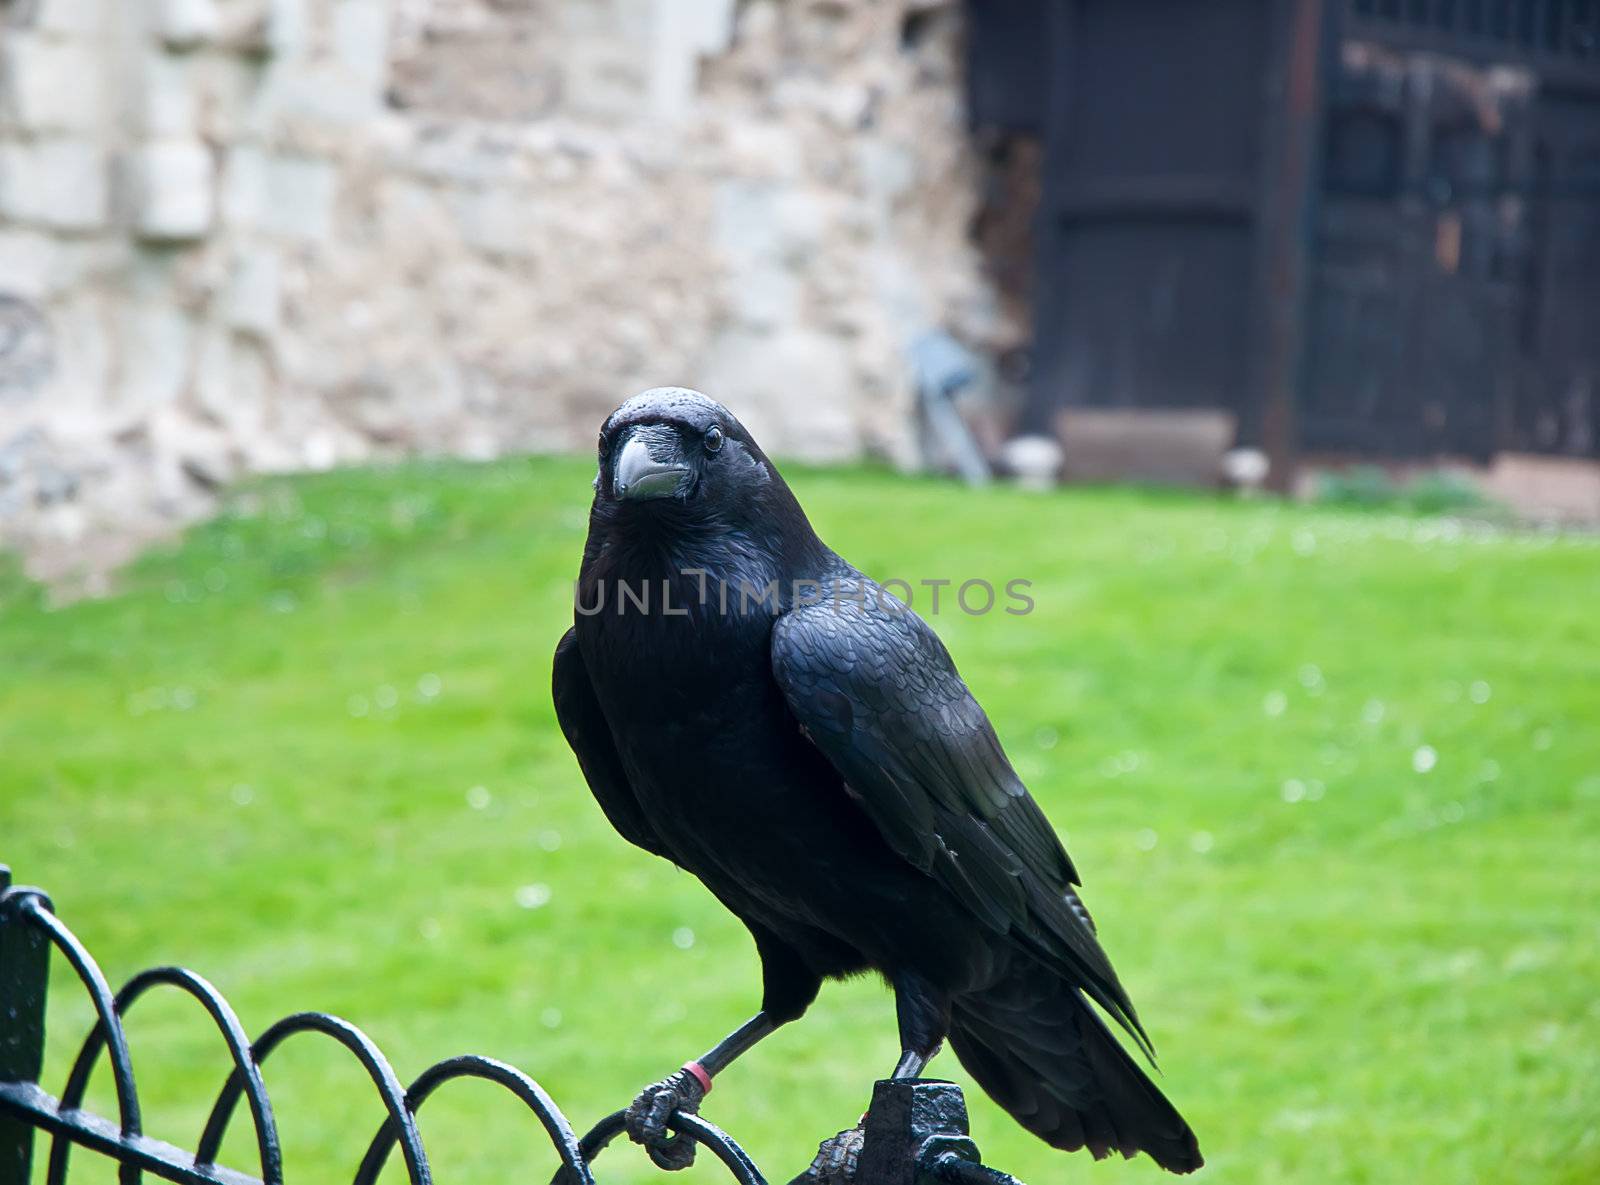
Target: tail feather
1039,1049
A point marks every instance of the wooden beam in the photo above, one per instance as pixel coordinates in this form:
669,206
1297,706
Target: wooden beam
1302,40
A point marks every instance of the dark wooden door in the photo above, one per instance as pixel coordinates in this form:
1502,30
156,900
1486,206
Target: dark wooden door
1558,405
1454,299
1146,238
1422,256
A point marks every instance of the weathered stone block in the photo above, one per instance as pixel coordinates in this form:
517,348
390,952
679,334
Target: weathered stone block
175,191
187,24
498,219
74,18
155,340
761,368
361,38
48,85
318,91
255,292
83,318
244,186
41,266
681,33
233,385
300,194
228,85
28,262
888,170
606,78
286,27
167,96
58,182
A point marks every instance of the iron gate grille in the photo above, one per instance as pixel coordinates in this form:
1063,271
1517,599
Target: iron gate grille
1543,31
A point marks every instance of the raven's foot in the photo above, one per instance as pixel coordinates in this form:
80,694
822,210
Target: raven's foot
836,1160
676,1094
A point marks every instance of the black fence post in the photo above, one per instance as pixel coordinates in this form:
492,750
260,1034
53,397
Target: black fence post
24,977
916,1134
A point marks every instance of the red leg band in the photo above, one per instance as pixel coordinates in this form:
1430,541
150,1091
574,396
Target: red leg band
700,1075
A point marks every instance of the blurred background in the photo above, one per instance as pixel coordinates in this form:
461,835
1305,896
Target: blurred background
310,310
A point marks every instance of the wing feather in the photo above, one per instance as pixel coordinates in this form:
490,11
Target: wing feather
876,691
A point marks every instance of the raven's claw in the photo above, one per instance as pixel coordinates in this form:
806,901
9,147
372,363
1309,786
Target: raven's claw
836,1160
648,1115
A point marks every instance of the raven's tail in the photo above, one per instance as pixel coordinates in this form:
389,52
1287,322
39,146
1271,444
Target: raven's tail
1042,1052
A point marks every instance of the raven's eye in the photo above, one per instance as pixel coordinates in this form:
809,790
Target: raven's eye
713,439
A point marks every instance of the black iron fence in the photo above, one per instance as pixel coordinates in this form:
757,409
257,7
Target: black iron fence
915,1133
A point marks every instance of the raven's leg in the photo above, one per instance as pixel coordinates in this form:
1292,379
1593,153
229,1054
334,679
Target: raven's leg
924,1015
788,988
737,1043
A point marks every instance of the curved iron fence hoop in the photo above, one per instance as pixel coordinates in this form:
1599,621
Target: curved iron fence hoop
371,1059
233,1035
693,1127
574,1166
109,1025
722,1147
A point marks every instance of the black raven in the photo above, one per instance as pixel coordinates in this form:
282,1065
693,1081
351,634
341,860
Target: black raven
746,704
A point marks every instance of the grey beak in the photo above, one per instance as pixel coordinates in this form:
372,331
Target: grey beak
649,466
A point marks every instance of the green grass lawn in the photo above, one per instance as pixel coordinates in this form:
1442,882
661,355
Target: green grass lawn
1332,778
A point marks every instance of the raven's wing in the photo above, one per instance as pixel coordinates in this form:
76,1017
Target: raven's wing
875,690
587,731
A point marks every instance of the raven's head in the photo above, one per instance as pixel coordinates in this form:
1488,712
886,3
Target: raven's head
673,447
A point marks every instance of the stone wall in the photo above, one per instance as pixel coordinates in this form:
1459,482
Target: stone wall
257,235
